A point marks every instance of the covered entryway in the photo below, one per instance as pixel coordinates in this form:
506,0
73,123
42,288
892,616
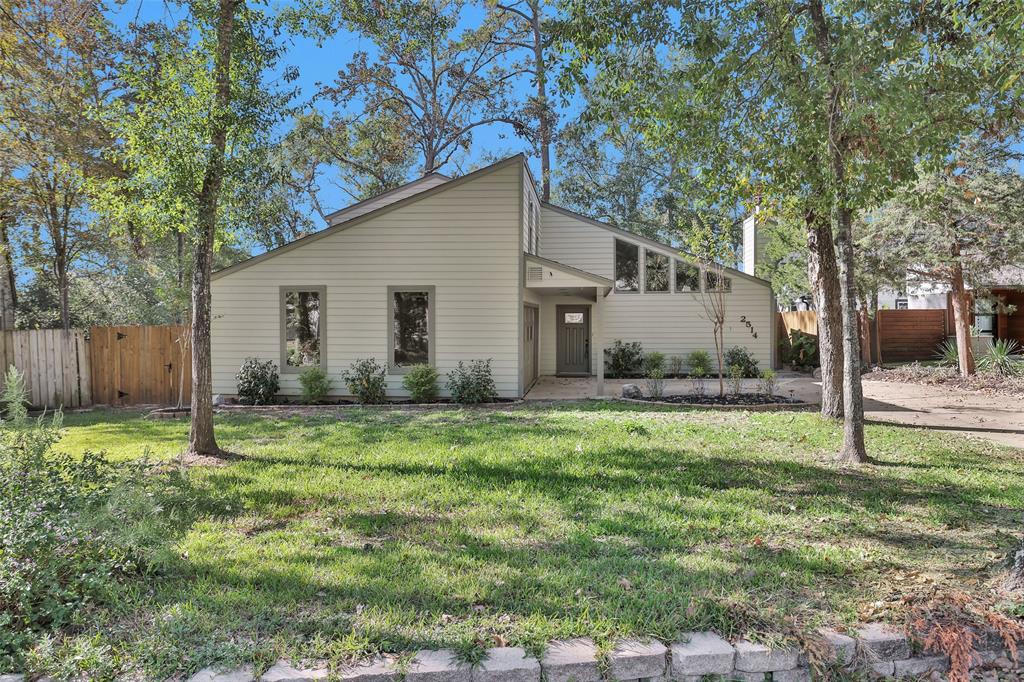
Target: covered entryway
561,329
572,341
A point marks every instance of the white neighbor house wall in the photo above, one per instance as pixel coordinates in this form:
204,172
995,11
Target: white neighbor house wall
672,323
463,238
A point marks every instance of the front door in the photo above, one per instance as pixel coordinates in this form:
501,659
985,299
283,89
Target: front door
573,339
531,316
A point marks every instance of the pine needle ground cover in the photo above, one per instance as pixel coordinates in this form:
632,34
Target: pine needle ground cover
355,531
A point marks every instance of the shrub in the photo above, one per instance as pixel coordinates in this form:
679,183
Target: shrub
699,363
1000,359
675,366
257,382
15,396
421,382
655,382
736,378
623,359
365,380
72,529
800,350
472,383
315,384
653,360
738,356
948,354
768,382
699,381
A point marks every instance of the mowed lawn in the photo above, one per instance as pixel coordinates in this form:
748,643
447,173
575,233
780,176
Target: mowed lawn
356,531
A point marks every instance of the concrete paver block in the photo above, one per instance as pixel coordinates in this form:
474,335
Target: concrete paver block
705,653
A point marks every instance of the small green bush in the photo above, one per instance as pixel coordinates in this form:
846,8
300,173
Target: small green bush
654,382
699,363
948,353
653,360
736,375
623,359
675,366
699,381
14,396
421,382
472,383
315,384
1003,358
258,382
365,381
738,356
768,382
800,350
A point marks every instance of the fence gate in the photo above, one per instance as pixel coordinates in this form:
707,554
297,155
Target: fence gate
139,365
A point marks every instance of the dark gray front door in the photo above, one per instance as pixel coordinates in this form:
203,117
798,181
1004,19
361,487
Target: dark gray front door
572,343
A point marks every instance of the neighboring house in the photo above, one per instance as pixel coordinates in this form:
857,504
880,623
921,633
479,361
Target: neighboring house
997,315
445,270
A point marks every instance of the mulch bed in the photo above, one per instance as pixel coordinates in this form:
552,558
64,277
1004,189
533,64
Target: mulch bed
991,384
727,399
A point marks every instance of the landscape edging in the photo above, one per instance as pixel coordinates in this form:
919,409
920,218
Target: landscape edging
878,650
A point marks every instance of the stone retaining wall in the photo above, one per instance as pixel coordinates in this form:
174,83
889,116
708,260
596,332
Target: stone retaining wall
874,651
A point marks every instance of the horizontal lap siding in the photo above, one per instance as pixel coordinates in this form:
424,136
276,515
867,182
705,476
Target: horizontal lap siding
674,324
463,240
677,324
576,243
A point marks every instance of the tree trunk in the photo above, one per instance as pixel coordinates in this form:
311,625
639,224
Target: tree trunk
962,321
542,102
823,273
201,437
63,288
8,295
853,449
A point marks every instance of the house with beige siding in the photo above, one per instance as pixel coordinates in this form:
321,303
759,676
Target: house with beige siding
443,270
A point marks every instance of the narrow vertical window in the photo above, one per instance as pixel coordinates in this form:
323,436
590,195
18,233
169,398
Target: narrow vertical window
531,245
411,326
302,327
627,266
655,272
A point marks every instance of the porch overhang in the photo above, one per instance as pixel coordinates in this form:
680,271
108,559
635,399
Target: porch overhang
543,273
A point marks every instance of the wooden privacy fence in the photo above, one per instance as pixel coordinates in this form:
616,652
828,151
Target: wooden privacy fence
907,335
54,364
138,365
130,365
899,335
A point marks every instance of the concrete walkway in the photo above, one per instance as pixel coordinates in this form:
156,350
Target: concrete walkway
997,418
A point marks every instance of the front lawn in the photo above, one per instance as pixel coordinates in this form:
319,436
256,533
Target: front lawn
358,531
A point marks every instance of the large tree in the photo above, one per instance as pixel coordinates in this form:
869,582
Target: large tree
531,32
439,81
956,226
55,66
194,119
828,104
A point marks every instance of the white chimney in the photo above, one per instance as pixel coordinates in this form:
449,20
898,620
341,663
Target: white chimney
753,244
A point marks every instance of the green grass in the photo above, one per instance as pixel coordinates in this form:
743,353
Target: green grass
362,531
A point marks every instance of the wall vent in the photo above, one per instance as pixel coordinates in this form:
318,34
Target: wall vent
534,274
